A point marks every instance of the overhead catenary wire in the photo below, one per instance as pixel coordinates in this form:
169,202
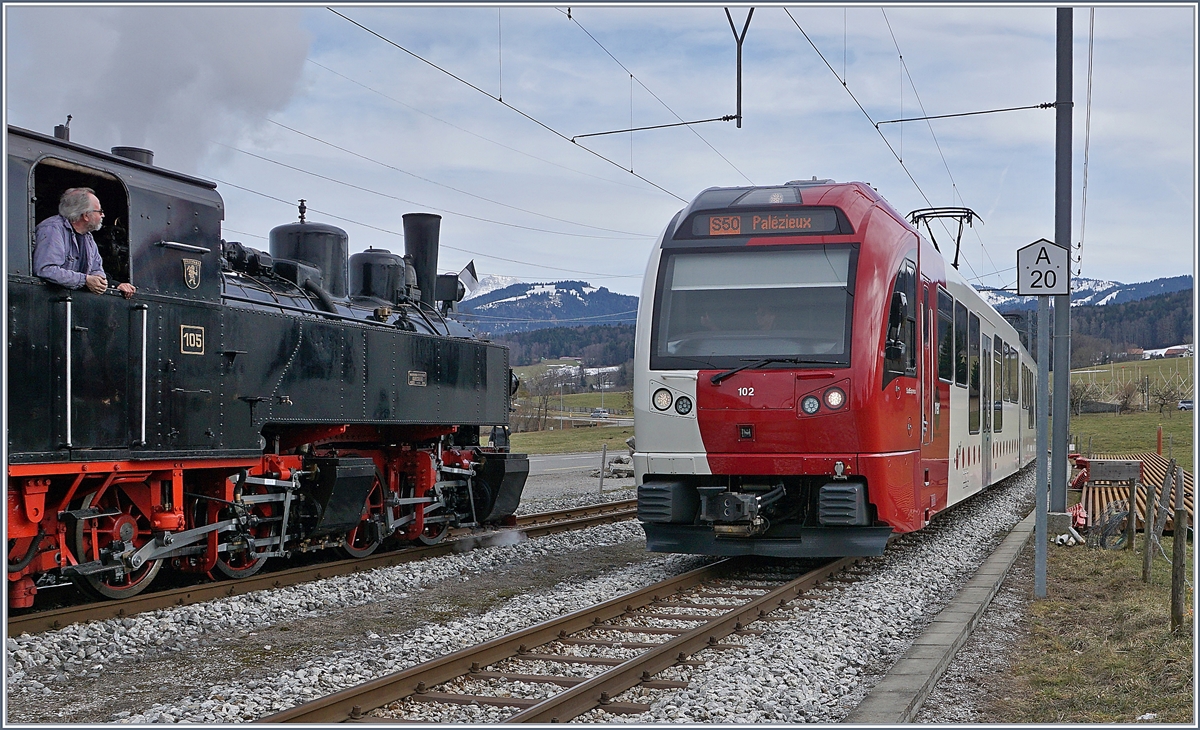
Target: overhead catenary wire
869,119
953,183
656,97
422,178
1087,139
531,118
400,234
469,132
420,204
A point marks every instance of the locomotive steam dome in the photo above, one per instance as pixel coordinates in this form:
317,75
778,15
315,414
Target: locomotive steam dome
317,244
377,273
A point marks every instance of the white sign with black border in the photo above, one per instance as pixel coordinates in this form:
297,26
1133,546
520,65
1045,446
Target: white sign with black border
1043,269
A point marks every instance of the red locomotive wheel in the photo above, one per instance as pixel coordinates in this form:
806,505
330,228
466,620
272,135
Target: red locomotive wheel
241,562
92,536
369,534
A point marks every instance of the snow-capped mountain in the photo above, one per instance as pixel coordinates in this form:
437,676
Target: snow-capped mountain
1092,292
491,283
521,307
504,304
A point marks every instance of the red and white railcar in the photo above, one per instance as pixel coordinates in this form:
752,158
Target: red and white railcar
811,376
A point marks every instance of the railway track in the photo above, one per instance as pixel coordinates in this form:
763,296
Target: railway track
528,526
656,627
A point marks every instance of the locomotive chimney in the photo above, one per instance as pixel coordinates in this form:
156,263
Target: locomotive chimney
137,154
421,232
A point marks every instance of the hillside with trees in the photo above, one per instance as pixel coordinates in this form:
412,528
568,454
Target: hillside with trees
1101,334
598,345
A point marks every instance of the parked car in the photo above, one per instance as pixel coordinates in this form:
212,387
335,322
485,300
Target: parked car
1185,405
599,413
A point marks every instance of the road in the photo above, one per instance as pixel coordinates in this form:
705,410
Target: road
555,463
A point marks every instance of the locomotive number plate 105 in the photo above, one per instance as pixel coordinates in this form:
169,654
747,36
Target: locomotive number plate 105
191,339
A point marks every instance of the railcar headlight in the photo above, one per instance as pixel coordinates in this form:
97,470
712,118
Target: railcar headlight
662,399
683,405
835,398
810,404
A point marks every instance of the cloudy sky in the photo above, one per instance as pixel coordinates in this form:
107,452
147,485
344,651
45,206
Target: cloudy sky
370,112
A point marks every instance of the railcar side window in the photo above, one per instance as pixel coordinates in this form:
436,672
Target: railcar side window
945,335
900,350
52,176
1013,363
1031,395
998,381
960,344
973,364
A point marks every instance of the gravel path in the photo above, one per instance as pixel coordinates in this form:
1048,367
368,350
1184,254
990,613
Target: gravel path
241,658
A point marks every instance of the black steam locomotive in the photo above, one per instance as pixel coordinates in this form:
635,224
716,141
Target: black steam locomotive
244,405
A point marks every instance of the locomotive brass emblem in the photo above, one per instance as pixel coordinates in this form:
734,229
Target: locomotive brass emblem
191,339
191,273
417,378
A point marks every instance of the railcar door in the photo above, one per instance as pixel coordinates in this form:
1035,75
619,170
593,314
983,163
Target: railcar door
989,400
928,363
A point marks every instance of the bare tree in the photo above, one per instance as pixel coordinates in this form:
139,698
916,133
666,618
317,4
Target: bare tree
1166,394
1081,393
1127,395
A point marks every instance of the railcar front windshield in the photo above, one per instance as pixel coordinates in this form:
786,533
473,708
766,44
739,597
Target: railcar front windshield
720,308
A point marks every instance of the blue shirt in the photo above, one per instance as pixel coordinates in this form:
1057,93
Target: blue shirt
64,257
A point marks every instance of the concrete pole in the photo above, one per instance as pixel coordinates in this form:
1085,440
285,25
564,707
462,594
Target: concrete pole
1042,403
1062,237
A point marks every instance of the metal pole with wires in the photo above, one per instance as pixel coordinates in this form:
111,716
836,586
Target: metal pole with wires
1062,237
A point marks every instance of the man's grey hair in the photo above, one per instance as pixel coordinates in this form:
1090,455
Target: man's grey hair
74,203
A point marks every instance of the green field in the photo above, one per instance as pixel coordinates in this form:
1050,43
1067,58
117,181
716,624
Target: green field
1177,368
572,440
1130,432
1137,430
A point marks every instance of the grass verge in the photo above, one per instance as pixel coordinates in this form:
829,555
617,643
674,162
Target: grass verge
1099,649
1129,432
572,440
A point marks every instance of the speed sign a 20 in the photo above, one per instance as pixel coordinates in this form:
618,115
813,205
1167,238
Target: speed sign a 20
1043,270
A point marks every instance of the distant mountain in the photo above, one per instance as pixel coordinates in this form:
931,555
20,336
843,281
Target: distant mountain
1092,292
524,307
491,283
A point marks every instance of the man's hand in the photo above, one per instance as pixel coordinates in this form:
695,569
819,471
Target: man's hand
126,290
96,284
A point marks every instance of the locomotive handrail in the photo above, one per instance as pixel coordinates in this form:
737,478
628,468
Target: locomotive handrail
145,318
69,331
184,247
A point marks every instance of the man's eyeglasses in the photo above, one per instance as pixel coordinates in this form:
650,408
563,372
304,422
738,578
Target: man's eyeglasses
101,212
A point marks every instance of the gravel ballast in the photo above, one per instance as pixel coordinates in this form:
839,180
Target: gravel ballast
241,658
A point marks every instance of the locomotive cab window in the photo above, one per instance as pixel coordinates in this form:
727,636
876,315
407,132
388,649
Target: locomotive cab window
52,176
900,344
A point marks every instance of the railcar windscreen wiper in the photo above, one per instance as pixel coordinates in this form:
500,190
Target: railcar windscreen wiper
716,379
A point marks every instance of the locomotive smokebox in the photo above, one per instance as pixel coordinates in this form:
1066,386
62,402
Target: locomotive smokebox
421,243
377,273
316,244
137,154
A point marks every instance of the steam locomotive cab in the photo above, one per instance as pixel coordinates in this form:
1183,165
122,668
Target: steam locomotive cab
245,404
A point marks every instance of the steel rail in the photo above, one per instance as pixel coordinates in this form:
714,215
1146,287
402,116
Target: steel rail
352,703
529,526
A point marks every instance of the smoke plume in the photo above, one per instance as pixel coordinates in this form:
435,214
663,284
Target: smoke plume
171,79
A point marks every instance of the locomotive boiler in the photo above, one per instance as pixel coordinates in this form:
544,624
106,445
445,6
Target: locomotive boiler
811,376
246,404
